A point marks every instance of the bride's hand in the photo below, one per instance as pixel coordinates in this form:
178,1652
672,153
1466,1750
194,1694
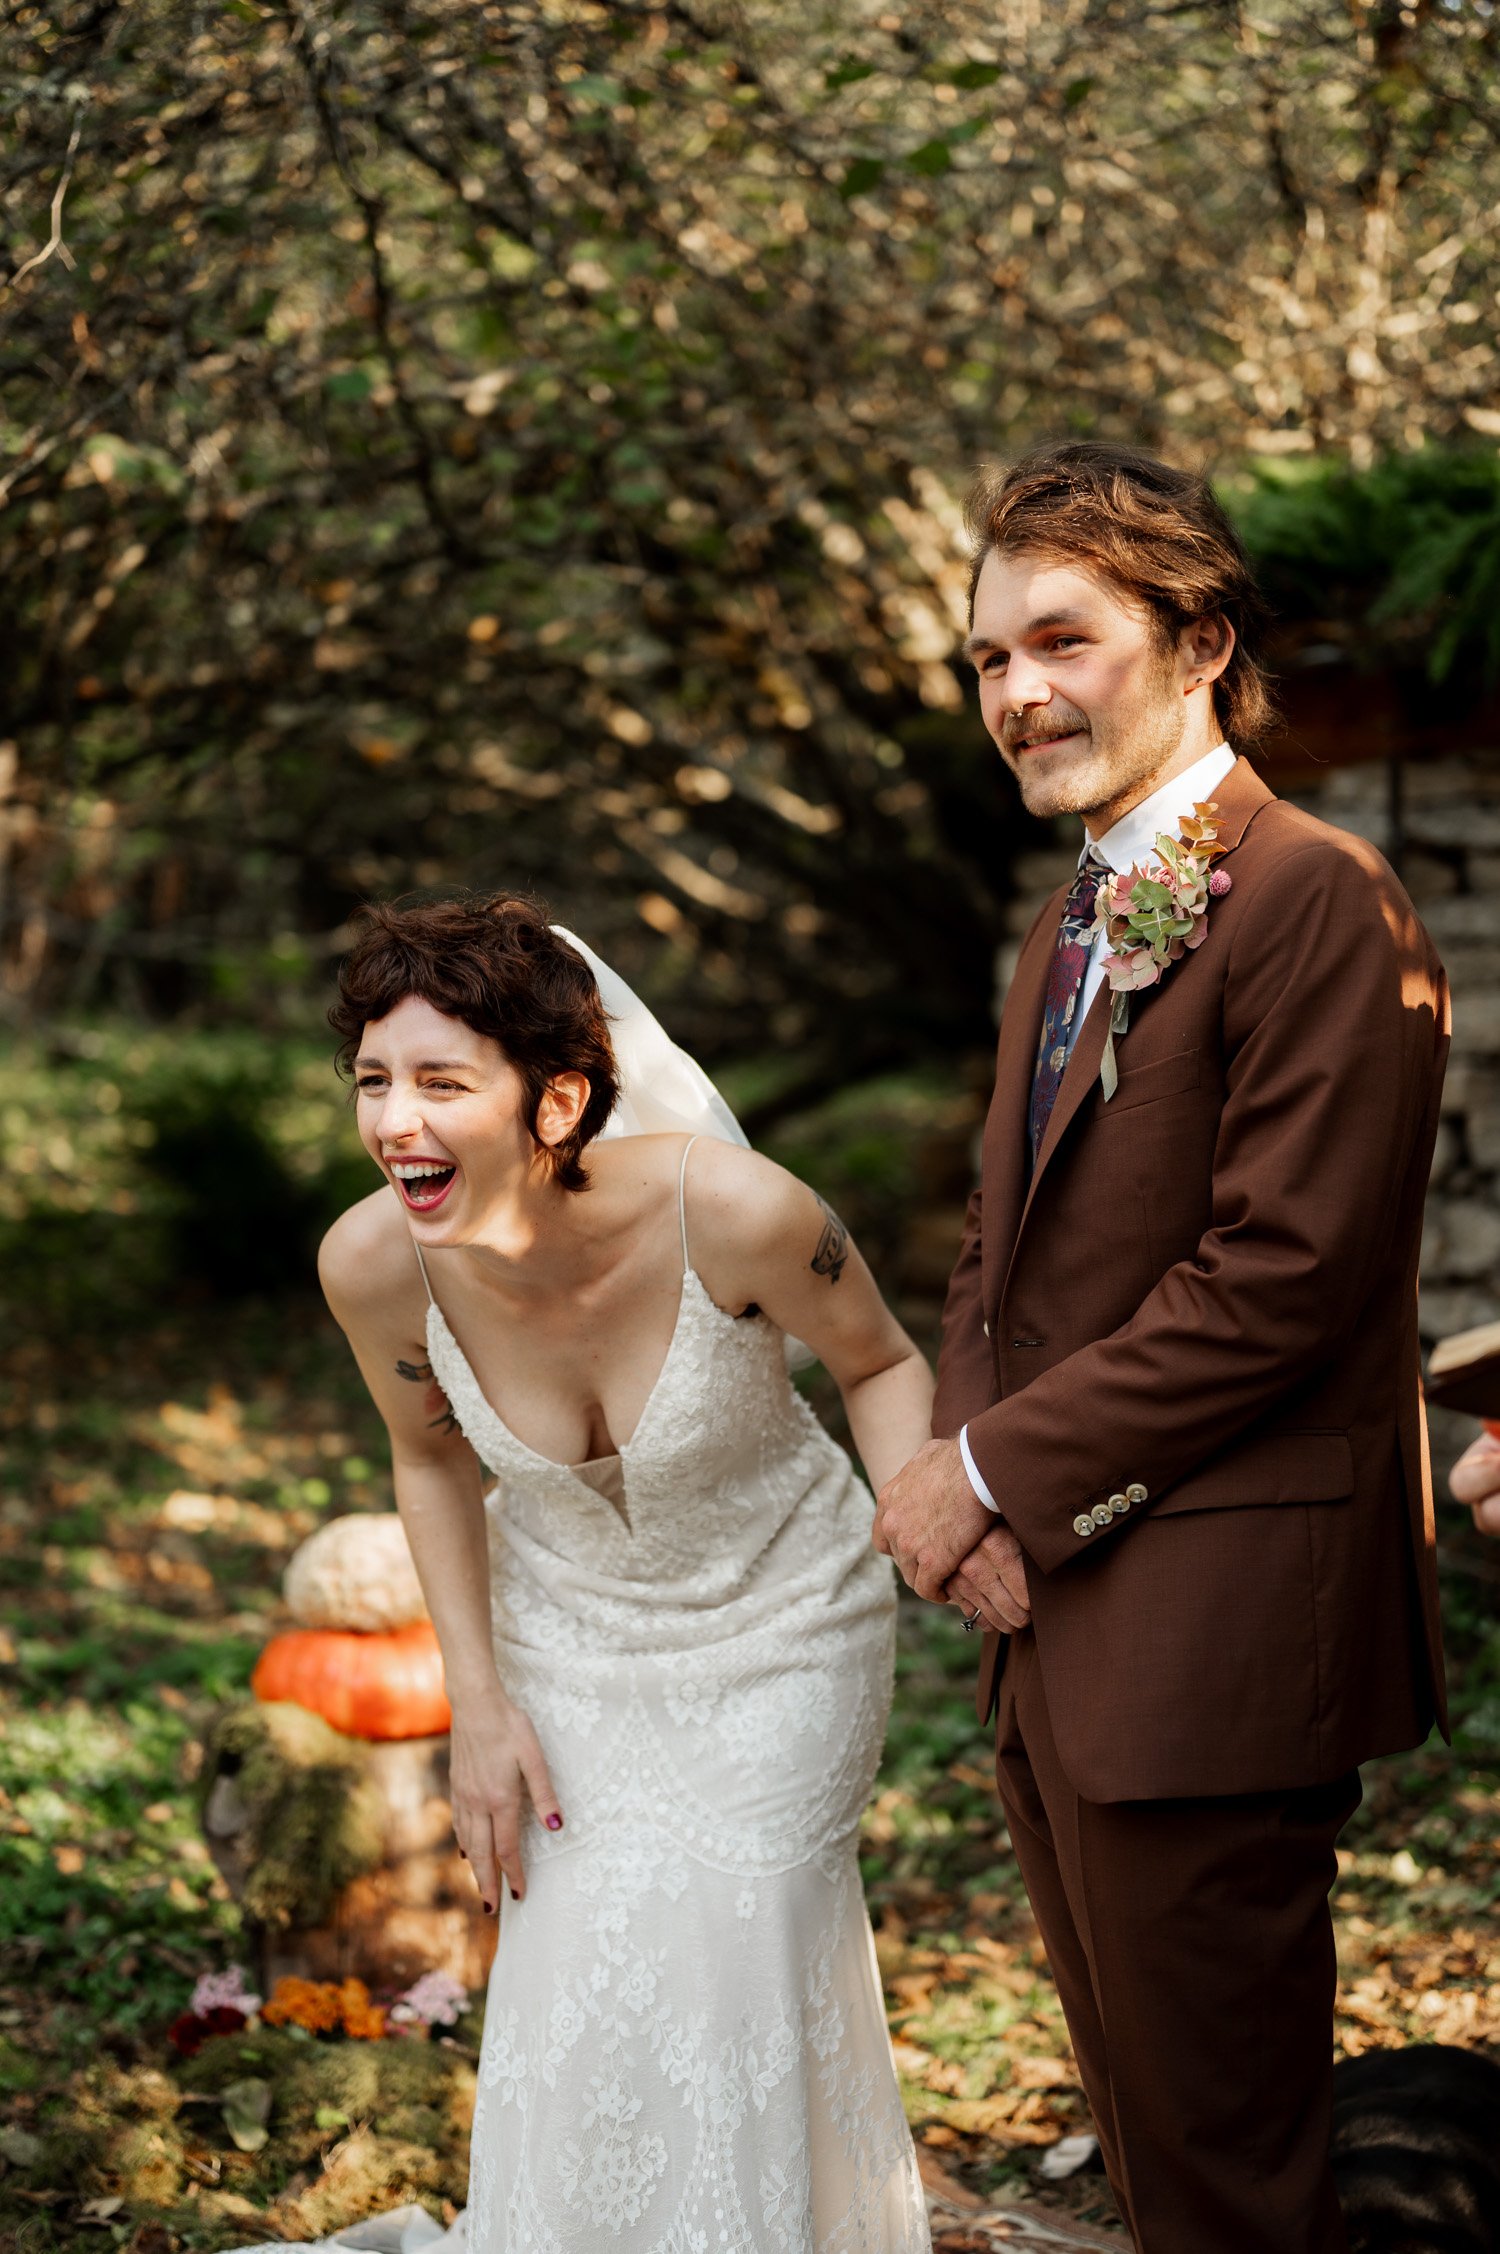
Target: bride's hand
992,1582
496,1765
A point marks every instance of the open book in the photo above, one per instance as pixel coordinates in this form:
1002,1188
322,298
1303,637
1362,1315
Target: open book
1464,1372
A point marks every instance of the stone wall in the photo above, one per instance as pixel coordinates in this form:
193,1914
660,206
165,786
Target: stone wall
1440,824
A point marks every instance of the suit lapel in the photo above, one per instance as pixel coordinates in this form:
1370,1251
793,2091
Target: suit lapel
1015,1060
1239,799
1079,1075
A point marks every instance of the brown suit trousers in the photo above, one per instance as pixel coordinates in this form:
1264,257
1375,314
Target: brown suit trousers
1184,1346
1192,1949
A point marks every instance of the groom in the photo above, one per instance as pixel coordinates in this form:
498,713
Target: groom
1182,1455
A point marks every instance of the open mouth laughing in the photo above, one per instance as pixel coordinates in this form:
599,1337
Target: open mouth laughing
423,1183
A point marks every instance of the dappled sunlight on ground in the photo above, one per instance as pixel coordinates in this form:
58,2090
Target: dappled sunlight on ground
147,1508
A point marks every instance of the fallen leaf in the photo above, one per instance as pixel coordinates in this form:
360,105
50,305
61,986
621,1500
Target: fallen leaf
246,2109
1066,2158
1042,2073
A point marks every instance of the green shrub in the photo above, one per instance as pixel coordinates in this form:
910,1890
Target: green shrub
145,1166
1405,553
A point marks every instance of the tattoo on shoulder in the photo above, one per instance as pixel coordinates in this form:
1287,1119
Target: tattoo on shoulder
833,1245
420,1373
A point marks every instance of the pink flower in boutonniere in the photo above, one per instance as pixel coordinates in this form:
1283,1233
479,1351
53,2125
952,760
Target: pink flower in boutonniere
1151,916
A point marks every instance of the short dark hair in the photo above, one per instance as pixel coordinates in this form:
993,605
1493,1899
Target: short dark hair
1159,533
493,961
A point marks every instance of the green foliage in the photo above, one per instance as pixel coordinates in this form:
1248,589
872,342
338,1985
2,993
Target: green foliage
480,441
1473,1630
862,175
143,1166
1405,555
95,1898
241,1220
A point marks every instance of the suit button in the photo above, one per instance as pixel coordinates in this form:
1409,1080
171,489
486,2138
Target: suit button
1083,1524
1135,1493
1118,1505
1102,1514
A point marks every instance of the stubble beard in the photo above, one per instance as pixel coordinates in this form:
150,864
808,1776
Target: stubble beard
1120,755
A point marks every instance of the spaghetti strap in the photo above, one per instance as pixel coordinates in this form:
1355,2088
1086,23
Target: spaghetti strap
682,1199
427,1280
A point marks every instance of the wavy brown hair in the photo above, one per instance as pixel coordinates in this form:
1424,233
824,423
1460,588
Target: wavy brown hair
492,961
1158,533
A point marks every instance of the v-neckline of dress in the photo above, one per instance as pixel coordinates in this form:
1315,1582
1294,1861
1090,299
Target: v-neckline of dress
570,1471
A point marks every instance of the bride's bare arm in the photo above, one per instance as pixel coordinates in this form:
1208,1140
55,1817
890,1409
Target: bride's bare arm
760,1237
368,1268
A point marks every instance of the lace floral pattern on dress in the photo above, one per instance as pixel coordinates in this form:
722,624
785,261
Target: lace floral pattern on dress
685,2048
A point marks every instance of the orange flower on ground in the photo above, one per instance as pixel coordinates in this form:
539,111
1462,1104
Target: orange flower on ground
362,2019
313,2004
325,2007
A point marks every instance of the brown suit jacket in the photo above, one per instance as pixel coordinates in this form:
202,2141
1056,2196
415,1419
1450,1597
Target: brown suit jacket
1206,1292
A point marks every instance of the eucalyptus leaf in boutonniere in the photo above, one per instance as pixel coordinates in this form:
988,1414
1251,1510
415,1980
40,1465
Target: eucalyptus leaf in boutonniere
1150,916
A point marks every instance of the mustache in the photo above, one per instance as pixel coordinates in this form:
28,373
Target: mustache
1059,722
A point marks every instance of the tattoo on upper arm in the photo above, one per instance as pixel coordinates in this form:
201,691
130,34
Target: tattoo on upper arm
420,1373
833,1245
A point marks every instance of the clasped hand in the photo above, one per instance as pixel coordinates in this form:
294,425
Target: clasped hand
946,1544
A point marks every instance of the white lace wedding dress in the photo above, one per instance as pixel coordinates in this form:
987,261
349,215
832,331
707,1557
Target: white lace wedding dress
685,2049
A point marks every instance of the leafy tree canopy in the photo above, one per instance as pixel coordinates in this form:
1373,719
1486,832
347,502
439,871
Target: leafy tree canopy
487,440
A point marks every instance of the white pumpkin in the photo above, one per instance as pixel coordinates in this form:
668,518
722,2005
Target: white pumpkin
355,1572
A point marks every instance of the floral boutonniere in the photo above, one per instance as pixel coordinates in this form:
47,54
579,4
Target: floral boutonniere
1152,915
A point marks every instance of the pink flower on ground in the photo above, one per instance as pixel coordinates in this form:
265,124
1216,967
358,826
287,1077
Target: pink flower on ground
223,1991
435,2000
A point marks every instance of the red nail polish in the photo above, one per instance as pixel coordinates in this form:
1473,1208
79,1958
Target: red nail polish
489,1909
465,1856
554,1823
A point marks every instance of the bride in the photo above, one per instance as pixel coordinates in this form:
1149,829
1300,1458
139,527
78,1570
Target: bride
667,1638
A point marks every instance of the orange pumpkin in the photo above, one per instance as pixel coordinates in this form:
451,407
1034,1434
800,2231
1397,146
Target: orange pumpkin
366,1682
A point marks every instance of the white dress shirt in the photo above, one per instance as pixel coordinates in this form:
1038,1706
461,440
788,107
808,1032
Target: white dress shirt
1128,843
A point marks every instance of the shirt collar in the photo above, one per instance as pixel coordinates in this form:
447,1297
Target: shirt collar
1131,840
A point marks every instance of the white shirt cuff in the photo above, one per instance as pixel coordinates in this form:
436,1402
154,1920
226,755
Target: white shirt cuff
972,1469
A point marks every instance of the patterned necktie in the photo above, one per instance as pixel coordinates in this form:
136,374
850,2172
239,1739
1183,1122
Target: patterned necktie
1070,961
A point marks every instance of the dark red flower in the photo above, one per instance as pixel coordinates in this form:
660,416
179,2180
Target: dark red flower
191,2030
